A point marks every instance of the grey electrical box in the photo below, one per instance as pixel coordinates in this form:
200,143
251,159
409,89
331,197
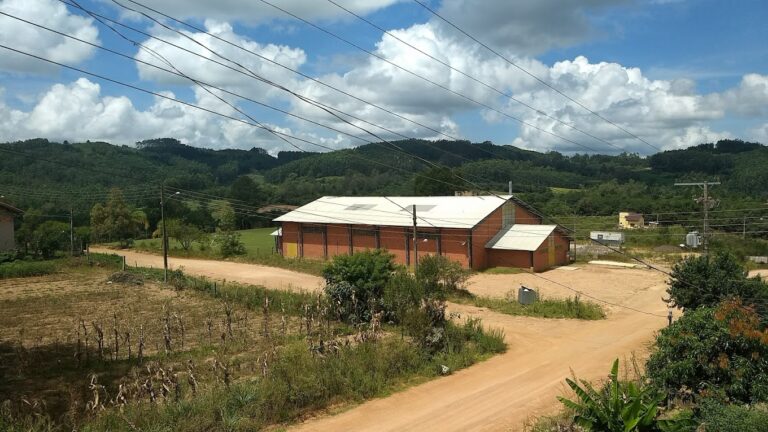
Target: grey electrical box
693,239
526,296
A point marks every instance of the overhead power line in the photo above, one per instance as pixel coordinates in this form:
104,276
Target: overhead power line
283,66
532,75
473,78
428,80
191,105
251,74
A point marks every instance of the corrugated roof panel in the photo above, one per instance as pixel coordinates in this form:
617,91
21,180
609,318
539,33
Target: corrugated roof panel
440,212
521,237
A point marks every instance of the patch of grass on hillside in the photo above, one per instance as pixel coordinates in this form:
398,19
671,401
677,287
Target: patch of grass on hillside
544,308
258,241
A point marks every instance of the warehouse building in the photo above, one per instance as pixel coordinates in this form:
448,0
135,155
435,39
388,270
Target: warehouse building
476,231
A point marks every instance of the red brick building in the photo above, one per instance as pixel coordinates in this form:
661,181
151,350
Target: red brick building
476,231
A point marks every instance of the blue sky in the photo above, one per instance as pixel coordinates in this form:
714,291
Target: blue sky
674,73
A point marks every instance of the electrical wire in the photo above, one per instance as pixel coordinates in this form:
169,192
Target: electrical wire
532,75
471,77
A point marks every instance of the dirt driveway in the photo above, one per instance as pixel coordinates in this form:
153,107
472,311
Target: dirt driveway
270,277
502,393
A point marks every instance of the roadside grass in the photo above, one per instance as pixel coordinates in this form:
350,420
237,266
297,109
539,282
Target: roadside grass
259,247
574,307
504,270
19,269
301,383
282,360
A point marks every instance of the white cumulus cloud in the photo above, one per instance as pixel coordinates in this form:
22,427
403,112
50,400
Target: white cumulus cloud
201,68
25,37
255,11
78,111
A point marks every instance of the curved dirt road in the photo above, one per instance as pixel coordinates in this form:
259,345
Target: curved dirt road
502,393
270,277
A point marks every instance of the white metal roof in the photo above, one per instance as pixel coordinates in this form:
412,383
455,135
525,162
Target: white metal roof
440,212
521,237
278,232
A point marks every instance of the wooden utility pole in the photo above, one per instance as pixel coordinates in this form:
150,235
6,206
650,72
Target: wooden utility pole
71,233
415,242
165,233
708,203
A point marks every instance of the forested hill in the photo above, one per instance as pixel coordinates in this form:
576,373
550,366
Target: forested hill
586,184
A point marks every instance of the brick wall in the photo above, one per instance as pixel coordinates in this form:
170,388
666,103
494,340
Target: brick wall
509,258
481,234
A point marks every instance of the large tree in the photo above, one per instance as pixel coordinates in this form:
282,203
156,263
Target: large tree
116,220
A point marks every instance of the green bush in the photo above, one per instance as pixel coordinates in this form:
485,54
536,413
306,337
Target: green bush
401,294
17,269
715,352
355,283
705,281
718,417
439,275
229,243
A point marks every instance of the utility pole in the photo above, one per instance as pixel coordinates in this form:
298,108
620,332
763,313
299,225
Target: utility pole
744,228
71,233
165,233
415,242
708,203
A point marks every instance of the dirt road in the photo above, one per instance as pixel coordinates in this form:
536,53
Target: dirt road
270,277
502,393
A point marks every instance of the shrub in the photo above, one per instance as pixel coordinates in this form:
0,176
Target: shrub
717,417
355,283
401,294
705,281
719,352
229,243
439,275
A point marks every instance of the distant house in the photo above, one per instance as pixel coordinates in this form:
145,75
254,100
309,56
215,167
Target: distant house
7,214
631,220
476,231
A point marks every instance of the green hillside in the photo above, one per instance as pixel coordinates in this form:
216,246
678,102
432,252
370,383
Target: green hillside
558,184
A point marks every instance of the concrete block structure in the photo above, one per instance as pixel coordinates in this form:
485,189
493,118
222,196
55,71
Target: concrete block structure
476,231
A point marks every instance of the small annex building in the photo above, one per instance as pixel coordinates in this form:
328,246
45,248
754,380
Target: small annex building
476,231
7,215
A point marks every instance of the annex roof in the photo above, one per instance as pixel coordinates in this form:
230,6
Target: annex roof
431,211
521,237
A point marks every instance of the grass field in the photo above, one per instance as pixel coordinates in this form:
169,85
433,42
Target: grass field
257,241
